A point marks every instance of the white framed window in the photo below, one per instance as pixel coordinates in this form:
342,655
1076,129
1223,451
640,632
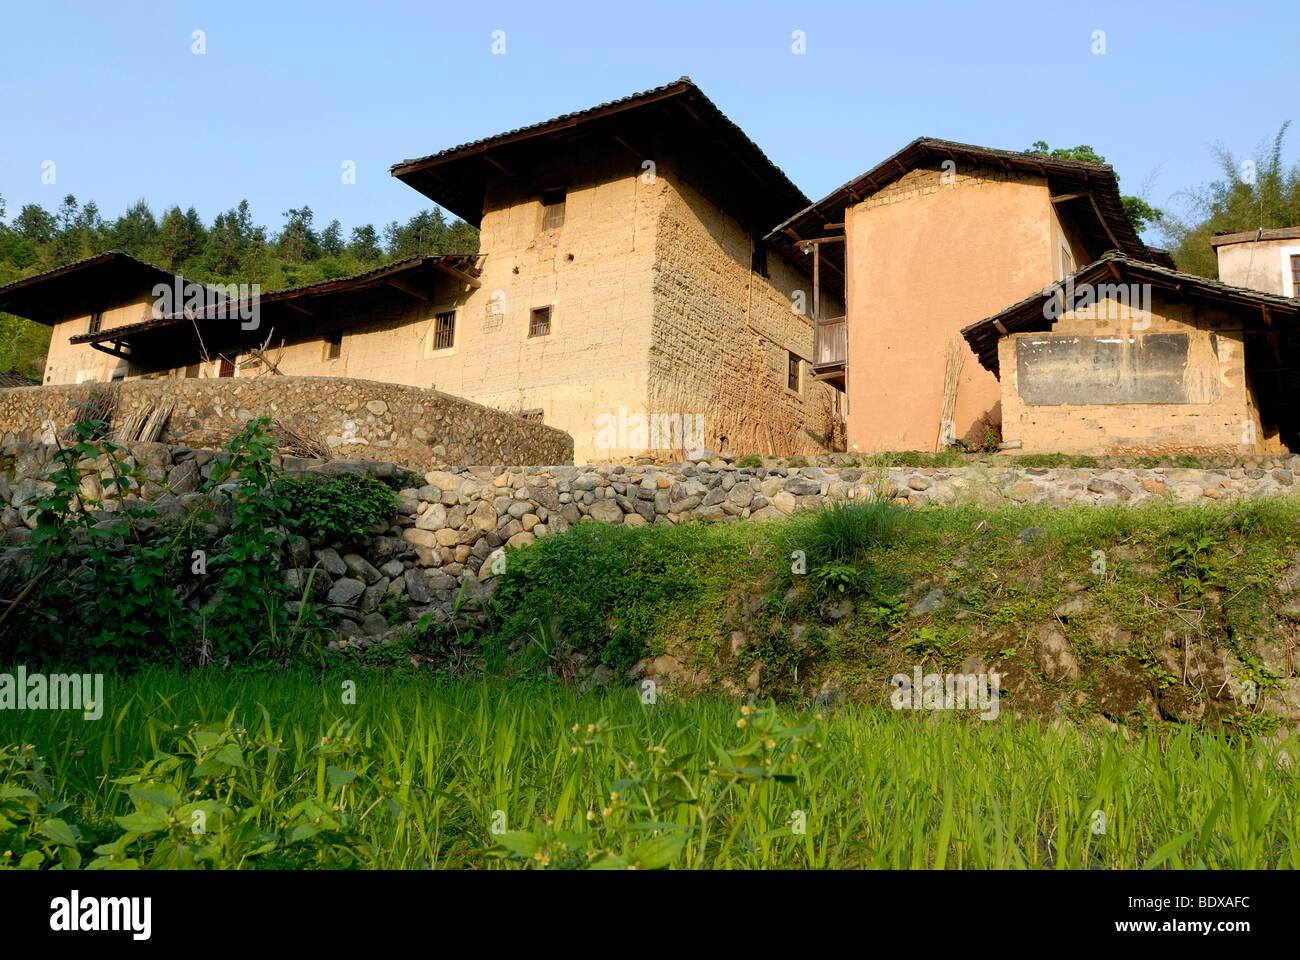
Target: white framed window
1291,271
1065,264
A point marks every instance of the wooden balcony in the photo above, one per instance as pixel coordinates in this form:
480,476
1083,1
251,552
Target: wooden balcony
830,351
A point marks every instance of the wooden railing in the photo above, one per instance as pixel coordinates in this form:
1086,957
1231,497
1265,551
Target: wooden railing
830,345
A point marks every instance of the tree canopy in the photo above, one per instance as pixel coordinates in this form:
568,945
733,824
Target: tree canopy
1141,213
1262,192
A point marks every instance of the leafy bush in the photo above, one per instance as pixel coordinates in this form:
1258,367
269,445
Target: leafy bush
32,834
839,579
110,577
207,803
339,508
116,578
749,460
609,591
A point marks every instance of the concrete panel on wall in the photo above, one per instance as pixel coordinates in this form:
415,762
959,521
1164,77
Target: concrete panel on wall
1054,370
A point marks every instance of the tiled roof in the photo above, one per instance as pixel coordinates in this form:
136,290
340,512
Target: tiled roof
458,184
1028,315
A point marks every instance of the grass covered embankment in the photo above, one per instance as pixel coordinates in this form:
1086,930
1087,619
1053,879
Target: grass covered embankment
1134,614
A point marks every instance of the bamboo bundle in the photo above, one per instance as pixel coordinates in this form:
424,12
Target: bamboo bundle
297,443
951,378
98,408
158,418
130,426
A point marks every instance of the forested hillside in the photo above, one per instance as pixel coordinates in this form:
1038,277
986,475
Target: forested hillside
231,249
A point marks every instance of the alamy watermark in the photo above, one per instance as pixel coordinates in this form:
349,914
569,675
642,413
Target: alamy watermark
59,691
221,301
658,431
953,691
1100,301
75,913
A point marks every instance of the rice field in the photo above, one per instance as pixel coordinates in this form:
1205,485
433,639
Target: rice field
384,771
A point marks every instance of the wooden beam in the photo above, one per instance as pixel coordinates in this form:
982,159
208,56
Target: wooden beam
407,289
115,351
496,163
266,360
300,309
644,155
1061,198
817,281
461,275
1106,226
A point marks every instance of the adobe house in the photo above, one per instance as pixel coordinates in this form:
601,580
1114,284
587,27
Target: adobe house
373,325
625,273
1127,357
925,243
622,281
96,294
1267,260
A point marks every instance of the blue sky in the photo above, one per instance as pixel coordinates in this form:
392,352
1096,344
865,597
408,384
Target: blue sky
286,92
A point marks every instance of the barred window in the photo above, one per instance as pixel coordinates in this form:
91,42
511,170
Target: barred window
444,330
333,344
793,380
1295,275
96,321
539,322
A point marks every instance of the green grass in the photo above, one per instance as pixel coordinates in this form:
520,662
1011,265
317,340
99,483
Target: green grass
428,766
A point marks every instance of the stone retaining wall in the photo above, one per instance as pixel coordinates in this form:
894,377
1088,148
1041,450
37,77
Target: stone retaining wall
449,523
353,418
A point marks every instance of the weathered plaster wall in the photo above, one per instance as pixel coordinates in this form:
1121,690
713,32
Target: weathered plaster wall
1259,266
926,258
722,334
66,363
595,272
1223,419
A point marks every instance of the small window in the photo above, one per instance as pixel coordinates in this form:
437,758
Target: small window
96,321
333,344
444,330
539,322
792,380
758,259
191,371
553,209
227,368
1295,275
1066,264
534,415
